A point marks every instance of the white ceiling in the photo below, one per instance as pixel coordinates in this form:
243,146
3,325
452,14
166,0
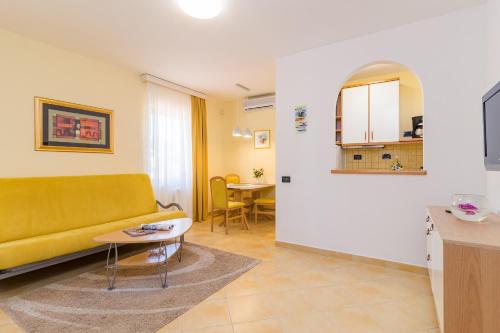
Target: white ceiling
240,45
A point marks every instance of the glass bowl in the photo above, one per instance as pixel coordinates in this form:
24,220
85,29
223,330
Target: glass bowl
470,207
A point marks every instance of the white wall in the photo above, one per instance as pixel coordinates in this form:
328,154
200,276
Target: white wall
492,77
375,215
29,68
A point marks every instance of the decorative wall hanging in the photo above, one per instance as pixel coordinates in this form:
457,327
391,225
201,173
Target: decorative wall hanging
300,118
63,126
262,139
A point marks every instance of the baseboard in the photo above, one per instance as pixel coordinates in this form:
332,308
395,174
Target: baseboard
353,257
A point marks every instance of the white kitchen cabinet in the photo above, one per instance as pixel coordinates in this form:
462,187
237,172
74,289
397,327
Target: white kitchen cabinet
370,113
384,112
429,227
435,266
355,104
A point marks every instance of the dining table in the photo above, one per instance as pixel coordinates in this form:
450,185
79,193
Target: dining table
255,190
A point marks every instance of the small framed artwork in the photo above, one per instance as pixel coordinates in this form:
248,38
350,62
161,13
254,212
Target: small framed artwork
262,139
64,126
300,118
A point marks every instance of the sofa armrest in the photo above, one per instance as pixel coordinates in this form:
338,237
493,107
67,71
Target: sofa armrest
173,204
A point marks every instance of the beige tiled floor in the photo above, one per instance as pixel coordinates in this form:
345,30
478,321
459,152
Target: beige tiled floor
294,291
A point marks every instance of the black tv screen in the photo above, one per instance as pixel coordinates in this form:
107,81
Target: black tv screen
491,122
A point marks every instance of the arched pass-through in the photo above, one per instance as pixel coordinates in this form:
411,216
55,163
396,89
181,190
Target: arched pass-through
379,119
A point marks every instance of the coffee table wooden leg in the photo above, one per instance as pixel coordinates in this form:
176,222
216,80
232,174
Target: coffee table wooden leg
113,268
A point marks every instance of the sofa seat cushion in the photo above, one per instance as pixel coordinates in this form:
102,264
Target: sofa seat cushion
30,250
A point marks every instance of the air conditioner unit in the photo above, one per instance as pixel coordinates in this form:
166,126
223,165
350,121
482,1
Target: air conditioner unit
258,102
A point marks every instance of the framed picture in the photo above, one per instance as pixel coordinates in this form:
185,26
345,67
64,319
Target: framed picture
63,126
300,118
262,139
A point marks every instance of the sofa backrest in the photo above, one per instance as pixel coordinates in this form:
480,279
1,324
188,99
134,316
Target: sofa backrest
39,206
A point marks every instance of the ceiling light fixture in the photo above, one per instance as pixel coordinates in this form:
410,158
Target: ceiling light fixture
237,131
247,134
201,9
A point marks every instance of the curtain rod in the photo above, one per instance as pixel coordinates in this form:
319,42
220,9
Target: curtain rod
159,81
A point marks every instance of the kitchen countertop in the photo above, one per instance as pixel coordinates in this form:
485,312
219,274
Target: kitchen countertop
380,172
453,230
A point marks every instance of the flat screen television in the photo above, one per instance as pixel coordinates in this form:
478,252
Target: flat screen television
491,123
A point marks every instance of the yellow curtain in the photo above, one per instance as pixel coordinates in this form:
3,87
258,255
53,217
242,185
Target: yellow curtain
200,159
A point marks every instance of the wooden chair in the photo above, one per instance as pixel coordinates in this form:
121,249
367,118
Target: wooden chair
221,204
232,178
267,205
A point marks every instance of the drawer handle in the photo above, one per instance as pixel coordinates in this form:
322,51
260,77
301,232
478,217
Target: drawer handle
428,257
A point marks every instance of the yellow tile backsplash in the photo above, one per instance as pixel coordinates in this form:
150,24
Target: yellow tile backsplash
411,156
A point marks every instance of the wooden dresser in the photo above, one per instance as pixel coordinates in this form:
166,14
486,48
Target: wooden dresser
464,268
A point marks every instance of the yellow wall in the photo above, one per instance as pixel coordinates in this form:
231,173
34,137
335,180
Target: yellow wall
228,154
29,68
246,157
218,135
410,92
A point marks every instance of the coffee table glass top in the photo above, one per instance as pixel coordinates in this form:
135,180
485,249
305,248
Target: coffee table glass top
181,226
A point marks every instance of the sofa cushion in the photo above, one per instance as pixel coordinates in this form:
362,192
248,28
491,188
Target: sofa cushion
29,250
32,207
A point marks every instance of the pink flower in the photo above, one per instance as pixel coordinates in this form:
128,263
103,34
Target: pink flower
467,207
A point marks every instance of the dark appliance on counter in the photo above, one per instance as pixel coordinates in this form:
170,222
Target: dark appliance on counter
418,126
491,122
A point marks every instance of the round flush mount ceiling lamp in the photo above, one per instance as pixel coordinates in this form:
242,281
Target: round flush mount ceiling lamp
201,9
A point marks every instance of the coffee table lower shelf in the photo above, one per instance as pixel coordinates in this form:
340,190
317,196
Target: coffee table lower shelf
143,259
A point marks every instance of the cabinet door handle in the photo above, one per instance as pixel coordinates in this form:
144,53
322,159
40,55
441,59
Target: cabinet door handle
365,135
428,257
372,135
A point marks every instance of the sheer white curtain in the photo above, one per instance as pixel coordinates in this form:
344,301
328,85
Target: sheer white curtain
169,145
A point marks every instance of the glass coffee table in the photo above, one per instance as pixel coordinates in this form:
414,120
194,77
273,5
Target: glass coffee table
169,244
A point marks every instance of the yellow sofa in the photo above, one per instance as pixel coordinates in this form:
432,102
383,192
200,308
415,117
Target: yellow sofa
50,217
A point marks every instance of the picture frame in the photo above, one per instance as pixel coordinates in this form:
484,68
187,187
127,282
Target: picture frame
300,112
262,139
70,127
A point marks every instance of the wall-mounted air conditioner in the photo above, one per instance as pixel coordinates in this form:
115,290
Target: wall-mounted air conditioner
259,102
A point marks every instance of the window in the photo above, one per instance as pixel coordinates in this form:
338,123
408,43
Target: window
168,145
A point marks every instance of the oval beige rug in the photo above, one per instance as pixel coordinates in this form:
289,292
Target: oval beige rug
137,304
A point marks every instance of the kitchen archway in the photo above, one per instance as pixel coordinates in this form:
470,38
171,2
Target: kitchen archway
379,121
